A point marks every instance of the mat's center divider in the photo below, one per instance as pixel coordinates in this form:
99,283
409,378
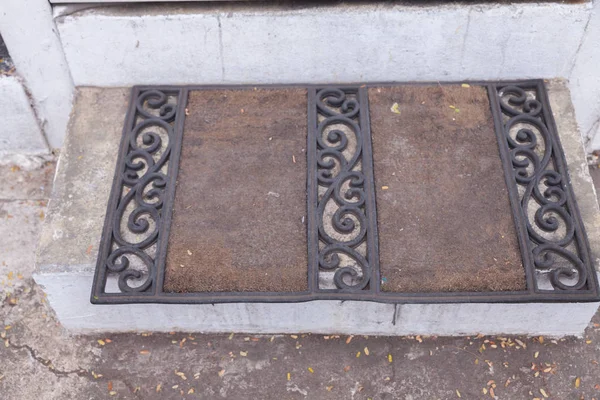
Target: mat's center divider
272,194
343,230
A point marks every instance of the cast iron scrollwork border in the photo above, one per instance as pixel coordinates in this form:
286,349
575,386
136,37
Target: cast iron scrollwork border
138,212
546,215
344,171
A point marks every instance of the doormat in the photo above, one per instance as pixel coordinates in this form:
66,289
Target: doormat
399,193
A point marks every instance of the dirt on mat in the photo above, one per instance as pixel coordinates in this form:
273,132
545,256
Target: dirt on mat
444,216
239,220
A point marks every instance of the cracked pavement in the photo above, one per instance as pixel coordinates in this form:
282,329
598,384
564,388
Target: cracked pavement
40,360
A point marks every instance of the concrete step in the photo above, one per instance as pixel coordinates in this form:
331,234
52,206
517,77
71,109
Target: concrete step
436,298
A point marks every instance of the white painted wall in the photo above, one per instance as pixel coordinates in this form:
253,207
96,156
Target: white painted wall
68,294
585,81
29,32
199,43
258,43
19,130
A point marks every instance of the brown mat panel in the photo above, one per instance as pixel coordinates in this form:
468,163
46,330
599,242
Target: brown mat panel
240,203
445,221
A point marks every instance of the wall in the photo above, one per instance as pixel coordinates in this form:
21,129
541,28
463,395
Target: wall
259,43
585,81
32,40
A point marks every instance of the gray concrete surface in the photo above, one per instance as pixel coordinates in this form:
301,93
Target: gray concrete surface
20,133
40,360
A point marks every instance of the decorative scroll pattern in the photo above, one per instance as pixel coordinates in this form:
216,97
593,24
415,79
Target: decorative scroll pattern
137,218
341,214
555,244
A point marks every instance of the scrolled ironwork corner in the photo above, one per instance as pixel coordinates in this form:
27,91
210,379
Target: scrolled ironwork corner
130,244
557,252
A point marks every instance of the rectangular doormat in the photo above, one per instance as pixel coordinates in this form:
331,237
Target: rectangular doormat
377,192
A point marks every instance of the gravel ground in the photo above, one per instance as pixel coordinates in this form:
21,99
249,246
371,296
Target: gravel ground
39,360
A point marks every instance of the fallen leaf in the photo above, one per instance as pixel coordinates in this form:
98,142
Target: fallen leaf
189,253
577,382
358,354
191,391
289,376
346,368
389,358
395,108
329,388
101,342
231,336
366,350
294,336
158,388
349,339
465,85
112,393
311,370
385,187
144,352
181,375
243,353
536,354
458,393
543,392
221,373
541,339
110,385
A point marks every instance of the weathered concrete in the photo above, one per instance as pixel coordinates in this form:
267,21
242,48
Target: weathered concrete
68,248
83,181
585,81
35,48
20,133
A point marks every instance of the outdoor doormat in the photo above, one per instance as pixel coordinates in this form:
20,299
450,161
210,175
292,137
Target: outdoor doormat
377,192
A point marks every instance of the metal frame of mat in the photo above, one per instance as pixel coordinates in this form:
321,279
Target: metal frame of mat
534,166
